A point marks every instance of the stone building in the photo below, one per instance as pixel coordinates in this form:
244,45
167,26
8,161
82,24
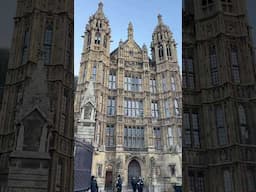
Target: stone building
251,4
218,98
36,120
131,105
4,57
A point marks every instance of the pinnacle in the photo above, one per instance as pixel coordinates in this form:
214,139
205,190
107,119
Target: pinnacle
160,20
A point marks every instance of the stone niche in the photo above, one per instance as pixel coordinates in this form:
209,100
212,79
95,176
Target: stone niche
33,127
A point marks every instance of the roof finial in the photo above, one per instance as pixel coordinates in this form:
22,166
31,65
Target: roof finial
160,20
100,6
130,31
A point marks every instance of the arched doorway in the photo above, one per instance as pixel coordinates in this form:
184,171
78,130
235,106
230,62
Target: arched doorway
134,170
109,178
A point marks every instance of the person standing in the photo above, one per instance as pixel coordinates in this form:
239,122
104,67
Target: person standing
134,184
94,185
119,184
140,185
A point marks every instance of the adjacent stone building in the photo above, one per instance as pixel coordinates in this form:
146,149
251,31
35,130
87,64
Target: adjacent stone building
219,89
36,119
129,106
251,4
4,57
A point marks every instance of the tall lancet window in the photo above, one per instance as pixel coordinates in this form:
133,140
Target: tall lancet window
235,65
251,180
47,47
243,124
105,41
112,80
164,83
227,5
97,38
110,135
176,107
169,51
173,84
154,109
228,181
69,45
167,108
99,24
213,65
220,126
94,71
153,85
25,47
160,52
88,39
157,138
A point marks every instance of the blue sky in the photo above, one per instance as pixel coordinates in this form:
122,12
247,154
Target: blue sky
142,14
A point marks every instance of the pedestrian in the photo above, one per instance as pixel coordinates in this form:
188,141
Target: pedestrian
134,184
140,185
94,185
119,184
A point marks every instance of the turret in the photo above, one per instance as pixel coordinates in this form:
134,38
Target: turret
163,46
97,32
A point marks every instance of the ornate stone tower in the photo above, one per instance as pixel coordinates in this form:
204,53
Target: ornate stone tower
36,124
218,98
94,61
137,103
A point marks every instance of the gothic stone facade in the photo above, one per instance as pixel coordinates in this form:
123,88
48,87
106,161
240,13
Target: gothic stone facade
36,124
218,98
134,106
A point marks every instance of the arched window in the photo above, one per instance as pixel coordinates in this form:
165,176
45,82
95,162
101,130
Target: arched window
235,65
97,38
25,47
98,24
228,183
88,39
105,41
227,6
176,107
94,71
159,36
243,124
110,135
169,51
160,52
213,65
47,47
220,125
173,84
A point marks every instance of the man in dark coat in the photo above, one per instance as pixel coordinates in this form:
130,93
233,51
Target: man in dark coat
94,185
134,184
140,185
119,184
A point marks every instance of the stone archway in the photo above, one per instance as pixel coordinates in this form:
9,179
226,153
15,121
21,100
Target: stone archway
109,178
134,170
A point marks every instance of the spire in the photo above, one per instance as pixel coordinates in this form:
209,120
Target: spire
130,31
99,13
144,47
100,6
160,20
